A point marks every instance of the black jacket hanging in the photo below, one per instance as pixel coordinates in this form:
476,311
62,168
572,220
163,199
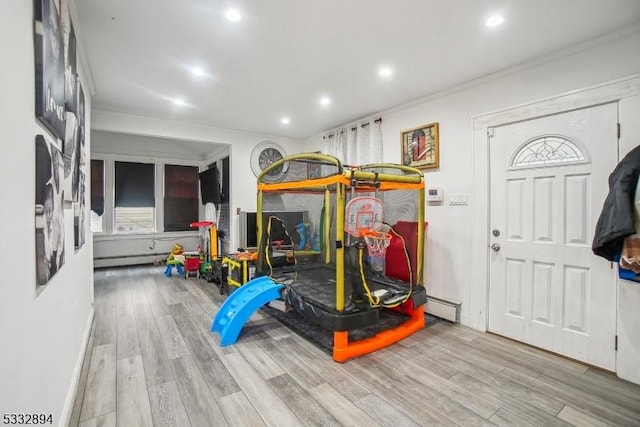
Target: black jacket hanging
616,219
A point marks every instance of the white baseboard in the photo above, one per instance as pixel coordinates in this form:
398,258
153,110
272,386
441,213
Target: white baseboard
448,310
65,417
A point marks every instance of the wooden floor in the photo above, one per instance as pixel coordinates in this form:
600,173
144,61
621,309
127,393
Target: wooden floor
151,360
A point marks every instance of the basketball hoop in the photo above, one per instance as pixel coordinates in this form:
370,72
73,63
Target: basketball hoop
377,241
363,214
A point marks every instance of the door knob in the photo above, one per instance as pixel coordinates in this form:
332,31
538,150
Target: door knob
495,247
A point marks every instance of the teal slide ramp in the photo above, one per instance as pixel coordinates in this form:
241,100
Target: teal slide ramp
240,305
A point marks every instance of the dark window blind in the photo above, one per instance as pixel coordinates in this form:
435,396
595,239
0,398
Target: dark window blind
134,185
97,186
180,197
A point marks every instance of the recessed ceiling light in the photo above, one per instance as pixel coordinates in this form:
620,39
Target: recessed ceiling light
179,102
197,71
232,15
385,72
285,120
325,100
494,20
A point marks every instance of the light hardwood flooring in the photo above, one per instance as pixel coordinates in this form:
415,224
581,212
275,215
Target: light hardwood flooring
151,360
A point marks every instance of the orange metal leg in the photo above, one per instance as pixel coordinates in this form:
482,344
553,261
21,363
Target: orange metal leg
343,350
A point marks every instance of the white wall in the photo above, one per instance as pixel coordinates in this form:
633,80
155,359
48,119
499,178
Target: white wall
242,181
42,335
448,253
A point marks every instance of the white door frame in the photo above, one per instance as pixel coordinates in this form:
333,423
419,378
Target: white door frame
607,92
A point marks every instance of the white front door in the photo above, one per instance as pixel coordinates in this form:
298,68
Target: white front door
548,182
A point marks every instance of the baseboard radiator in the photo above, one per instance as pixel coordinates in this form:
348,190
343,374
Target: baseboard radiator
448,310
125,260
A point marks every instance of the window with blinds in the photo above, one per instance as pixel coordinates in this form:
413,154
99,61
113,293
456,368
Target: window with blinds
134,197
97,195
180,197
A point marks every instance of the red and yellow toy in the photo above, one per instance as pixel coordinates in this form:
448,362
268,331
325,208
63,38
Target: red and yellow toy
192,261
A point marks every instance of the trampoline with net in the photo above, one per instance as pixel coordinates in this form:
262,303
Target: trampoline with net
355,270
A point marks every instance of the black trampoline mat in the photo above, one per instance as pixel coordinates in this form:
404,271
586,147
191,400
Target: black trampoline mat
318,285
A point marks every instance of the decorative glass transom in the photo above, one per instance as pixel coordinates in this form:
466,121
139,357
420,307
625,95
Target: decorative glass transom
547,150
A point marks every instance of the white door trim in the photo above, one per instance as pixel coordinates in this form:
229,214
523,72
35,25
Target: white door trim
607,92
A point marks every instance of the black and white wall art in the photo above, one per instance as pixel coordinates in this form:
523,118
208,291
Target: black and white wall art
70,61
71,133
49,211
79,213
79,175
49,67
71,146
79,154
60,155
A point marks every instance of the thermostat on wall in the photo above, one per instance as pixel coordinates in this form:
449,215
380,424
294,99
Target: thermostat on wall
435,194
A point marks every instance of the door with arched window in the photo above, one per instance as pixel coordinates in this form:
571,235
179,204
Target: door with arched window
548,181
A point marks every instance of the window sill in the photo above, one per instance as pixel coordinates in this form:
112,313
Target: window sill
134,236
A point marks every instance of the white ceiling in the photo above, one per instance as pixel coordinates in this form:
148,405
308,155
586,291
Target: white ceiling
285,54
113,143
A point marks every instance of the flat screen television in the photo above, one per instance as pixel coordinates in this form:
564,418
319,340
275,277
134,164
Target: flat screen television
210,190
248,233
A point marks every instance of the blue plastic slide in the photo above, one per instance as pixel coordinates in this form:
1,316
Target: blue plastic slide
240,305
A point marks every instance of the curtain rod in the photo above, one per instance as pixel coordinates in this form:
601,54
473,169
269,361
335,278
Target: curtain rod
363,125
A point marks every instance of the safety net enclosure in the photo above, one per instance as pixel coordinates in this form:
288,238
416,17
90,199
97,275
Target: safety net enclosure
347,243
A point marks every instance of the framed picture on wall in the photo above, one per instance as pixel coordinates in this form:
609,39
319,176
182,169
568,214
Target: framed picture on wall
421,147
79,210
49,67
78,164
314,169
49,211
70,59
